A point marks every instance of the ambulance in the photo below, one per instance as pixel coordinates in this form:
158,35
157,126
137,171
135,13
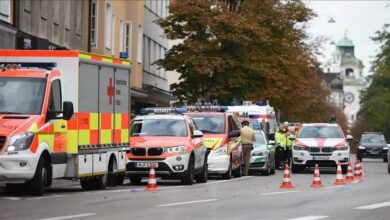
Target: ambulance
264,114
63,114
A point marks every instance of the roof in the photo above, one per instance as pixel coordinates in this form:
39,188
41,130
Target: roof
345,42
160,116
34,73
319,124
206,113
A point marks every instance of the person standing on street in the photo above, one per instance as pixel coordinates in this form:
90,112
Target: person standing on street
247,139
282,143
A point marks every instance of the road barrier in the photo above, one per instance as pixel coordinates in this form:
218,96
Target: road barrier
339,176
349,177
316,178
286,184
152,182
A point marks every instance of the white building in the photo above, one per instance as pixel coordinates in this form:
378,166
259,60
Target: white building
345,72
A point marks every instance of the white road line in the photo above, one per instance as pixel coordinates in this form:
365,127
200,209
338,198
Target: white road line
276,193
69,216
224,181
185,203
49,197
310,217
12,198
374,206
333,187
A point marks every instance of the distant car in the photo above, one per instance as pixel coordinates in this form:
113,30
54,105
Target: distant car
262,155
322,144
372,145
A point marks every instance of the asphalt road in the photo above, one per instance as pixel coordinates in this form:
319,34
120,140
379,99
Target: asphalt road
253,197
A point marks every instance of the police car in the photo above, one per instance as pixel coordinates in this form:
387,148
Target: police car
171,142
322,144
221,136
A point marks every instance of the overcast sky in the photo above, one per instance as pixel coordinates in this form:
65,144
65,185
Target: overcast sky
361,19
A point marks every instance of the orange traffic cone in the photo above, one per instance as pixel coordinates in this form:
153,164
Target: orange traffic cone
357,171
339,176
316,179
349,177
286,184
152,183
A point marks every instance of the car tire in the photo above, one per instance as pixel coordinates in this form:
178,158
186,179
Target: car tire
268,171
37,184
202,177
273,167
344,169
296,168
135,179
100,182
228,174
238,172
189,176
120,179
385,159
86,184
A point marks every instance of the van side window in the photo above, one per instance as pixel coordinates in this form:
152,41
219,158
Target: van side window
55,97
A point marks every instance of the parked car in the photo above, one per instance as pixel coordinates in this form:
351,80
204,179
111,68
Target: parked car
262,155
372,145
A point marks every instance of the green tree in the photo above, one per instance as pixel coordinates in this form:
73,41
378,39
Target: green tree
376,98
232,49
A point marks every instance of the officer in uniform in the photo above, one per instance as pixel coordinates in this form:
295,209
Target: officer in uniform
247,139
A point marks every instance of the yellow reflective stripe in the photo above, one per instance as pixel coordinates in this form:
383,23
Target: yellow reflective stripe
84,137
118,121
34,128
107,60
48,138
127,63
72,141
105,136
125,135
94,121
85,56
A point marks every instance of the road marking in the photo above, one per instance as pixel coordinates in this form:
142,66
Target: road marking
310,217
333,187
12,198
224,181
374,206
69,216
276,193
185,203
49,197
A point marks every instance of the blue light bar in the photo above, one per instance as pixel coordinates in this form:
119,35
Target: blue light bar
205,108
162,110
44,65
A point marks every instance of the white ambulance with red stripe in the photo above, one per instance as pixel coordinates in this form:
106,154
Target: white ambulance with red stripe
63,114
322,144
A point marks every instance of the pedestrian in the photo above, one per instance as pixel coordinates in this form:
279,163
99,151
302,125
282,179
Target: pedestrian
247,139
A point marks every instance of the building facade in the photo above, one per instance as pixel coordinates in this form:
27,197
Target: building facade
7,29
343,75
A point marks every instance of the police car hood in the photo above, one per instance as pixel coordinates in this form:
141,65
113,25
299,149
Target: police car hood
321,142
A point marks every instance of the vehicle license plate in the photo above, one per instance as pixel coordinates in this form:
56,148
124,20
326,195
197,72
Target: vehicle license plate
146,164
321,158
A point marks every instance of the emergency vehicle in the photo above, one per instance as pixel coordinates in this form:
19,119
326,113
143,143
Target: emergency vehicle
221,131
264,114
169,141
322,144
63,114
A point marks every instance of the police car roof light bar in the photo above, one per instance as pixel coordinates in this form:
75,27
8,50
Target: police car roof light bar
162,110
43,65
205,108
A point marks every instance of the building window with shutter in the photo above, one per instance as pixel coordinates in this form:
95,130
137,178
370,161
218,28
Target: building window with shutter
94,22
108,25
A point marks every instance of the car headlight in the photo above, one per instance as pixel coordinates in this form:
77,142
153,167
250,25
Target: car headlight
298,147
220,151
362,148
20,142
342,148
175,149
386,148
258,153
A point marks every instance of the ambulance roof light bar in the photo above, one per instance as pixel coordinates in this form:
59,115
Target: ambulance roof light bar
205,108
15,65
162,110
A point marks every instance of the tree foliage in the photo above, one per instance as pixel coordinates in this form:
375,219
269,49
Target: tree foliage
376,98
245,50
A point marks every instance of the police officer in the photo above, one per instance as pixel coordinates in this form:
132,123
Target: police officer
283,144
247,139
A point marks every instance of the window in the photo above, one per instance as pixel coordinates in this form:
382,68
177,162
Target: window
146,54
140,45
159,127
108,26
162,56
43,6
94,22
67,12
55,96
113,34
121,37
157,57
128,38
209,124
5,10
349,72
152,56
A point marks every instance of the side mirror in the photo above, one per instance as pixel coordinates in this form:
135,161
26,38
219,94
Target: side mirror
349,137
271,142
67,110
197,134
234,134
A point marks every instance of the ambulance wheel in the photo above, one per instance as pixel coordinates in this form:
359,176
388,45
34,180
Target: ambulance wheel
189,177
86,184
228,174
112,173
37,184
120,179
238,172
202,177
135,179
100,182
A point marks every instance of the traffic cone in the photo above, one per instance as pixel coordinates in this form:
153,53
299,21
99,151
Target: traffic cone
152,183
286,184
316,178
358,171
339,176
349,177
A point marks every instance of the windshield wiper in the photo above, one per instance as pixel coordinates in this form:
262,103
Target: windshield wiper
12,113
208,131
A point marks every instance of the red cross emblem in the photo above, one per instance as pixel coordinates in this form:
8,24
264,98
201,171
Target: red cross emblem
110,90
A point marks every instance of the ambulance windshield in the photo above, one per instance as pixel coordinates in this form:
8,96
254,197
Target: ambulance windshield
21,95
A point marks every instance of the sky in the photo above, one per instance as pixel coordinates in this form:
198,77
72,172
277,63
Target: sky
358,19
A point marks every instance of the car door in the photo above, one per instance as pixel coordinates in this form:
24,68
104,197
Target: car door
197,143
234,142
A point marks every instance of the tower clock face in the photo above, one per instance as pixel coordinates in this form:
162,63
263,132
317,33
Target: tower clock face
349,97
